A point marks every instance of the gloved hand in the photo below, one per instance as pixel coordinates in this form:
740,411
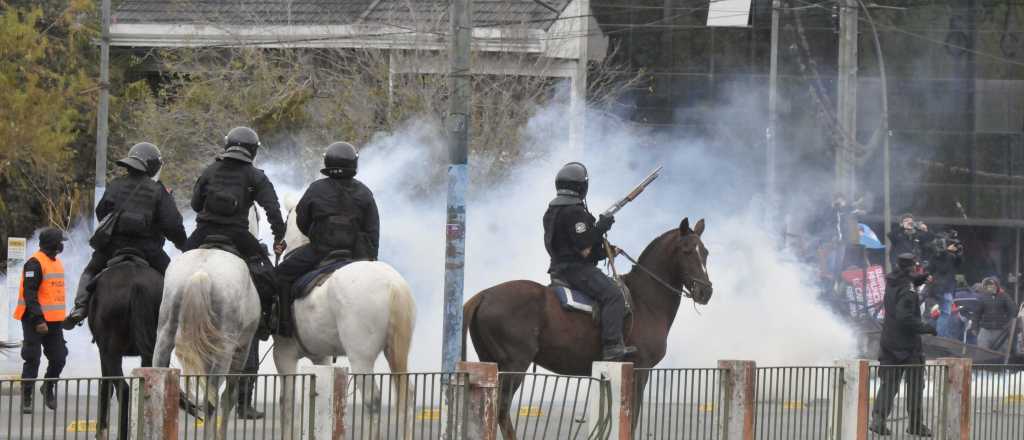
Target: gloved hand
42,328
280,247
604,223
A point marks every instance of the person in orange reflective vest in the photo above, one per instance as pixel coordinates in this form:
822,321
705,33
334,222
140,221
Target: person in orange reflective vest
41,310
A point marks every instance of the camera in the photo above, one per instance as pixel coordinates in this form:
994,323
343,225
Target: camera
944,240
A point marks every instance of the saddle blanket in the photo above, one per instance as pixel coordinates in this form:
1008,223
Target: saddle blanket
574,299
311,280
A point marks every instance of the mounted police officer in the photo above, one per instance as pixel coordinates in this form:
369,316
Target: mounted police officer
223,197
338,214
146,216
575,243
41,309
901,345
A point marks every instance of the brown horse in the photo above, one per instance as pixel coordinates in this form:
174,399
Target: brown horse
521,322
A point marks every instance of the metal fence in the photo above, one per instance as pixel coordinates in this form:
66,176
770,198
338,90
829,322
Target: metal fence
797,402
264,392
931,380
548,406
680,403
997,400
79,410
407,405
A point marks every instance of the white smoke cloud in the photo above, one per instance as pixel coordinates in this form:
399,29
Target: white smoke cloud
764,306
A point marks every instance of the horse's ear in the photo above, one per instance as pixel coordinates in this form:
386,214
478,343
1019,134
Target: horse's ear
684,226
699,229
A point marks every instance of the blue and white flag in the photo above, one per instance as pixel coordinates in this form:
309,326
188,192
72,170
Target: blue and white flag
868,238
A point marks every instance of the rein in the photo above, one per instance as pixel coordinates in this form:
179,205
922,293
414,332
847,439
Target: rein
679,292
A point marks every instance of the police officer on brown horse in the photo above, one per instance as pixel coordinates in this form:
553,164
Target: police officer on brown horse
146,216
337,213
574,240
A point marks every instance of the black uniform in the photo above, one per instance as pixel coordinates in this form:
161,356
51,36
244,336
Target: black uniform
148,216
223,196
901,345
568,231
336,214
52,343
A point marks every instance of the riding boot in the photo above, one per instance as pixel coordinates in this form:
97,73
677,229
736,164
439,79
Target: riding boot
246,393
49,391
26,397
82,296
616,351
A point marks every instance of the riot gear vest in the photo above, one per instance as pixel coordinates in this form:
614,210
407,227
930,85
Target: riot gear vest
137,197
228,193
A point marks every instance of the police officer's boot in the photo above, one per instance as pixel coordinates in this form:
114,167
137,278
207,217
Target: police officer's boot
920,430
49,390
26,397
877,426
246,410
616,351
82,296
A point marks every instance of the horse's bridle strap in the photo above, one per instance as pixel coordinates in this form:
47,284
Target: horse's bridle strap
679,292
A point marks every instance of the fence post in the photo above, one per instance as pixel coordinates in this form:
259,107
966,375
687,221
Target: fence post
483,399
851,421
738,393
620,377
956,391
155,397
329,391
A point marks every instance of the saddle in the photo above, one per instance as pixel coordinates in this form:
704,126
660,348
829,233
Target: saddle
316,278
220,242
575,300
126,255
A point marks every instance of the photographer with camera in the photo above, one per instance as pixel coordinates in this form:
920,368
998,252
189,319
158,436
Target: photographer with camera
947,256
910,238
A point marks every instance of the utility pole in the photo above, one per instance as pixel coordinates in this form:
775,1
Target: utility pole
459,78
847,102
104,110
772,131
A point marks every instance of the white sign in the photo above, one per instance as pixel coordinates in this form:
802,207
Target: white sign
16,254
729,13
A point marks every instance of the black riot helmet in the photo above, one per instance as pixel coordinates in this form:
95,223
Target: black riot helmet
143,157
241,143
572,180
340,161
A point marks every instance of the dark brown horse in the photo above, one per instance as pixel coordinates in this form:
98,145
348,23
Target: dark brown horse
521,322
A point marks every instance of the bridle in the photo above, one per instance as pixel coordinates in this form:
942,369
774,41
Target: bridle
684,290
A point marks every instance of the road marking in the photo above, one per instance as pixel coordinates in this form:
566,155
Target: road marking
793,404
530,411
82,426
429,414
706,407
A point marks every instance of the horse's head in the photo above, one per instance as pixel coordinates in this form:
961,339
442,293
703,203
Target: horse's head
692,261
293,236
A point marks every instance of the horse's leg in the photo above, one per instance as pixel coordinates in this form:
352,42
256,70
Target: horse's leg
103,417
234,363
123,398
362,364
286,357
166,330
642,377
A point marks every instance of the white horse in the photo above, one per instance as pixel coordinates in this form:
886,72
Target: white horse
361,310
208,316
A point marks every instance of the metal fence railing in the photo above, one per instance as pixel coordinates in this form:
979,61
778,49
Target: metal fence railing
264,392
997,401
407,406
548,406
79,411
680,404
904,406
797,402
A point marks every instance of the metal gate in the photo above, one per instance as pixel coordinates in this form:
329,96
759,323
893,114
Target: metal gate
77,414
798,402
277,422
678,403
407,405
556,407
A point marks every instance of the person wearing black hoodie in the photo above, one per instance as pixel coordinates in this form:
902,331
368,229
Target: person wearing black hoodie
901,346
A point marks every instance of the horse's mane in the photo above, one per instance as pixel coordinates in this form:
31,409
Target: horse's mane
657,243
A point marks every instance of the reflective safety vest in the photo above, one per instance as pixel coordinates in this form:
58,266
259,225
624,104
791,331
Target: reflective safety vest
51,290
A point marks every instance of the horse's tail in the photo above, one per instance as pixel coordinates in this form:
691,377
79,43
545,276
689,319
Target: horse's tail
469,319
401,320
144,308
199,342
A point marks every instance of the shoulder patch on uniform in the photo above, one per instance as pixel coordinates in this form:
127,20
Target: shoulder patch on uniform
581,227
